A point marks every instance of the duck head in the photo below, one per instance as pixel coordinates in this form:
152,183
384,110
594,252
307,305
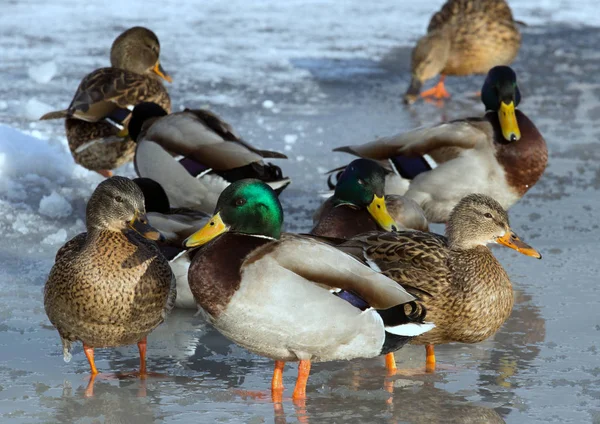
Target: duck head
500,93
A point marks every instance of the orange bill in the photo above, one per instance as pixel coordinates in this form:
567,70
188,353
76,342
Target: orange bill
510,239
212,229
158,70
140,224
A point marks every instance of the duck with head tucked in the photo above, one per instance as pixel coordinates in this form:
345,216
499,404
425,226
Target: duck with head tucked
465,290
501,154
465,37
110,286
96,120
290,297
358,205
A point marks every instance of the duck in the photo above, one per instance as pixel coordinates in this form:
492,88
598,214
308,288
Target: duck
501,154
290,297
465,290
358,205
205,143
110,286
465,37
96,120
175,225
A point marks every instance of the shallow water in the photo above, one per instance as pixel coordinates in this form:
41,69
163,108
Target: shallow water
335,77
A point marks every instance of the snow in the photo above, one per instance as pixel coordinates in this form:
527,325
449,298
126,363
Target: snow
43,73
290,138
268,104
55,206
57,238
34,109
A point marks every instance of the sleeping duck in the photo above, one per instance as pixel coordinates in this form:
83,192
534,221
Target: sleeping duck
501,154
290,297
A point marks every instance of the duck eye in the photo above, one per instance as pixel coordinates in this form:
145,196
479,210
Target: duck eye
488,215
240,202
361,182
119,199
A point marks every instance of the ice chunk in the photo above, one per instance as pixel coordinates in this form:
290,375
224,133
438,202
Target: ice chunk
268,104
55,206
42,73
290,138
34,109
57,238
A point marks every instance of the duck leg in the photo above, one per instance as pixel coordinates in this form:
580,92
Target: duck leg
277,382
142,348
430,359
89,390
303,372
106,173
89,354
390,363
437,92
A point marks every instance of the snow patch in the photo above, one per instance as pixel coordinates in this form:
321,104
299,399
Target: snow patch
57,238
42,73
55,206
290,138
35,109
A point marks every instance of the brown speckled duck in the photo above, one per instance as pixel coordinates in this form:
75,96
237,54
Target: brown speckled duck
501,154
96,119
465,290
110,286
465,37
358,205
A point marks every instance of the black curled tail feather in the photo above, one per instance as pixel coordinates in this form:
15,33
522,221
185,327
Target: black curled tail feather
266,172
397,315
330,182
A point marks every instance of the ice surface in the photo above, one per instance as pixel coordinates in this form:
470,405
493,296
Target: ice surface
322,73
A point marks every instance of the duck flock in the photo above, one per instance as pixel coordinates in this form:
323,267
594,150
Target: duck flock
201,226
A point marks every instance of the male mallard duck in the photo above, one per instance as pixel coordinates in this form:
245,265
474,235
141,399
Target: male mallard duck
110,286
207,143
175,225
358,205
465,37
275,295
100,109
501,154
465,290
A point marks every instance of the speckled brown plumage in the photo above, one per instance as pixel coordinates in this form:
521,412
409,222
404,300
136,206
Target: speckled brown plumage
465,37
110,93
108,287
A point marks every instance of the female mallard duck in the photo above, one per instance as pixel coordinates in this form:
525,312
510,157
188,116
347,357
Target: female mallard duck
465,37
110,286
208,145
97,117
175,225
465,290
358,205
501,154
275,294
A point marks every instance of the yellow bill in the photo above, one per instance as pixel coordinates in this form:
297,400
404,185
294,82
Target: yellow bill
140,224
379,212
513,241
508,122
212,229
158,70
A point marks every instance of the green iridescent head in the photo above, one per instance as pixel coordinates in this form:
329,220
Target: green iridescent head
500,93
248,207
362,184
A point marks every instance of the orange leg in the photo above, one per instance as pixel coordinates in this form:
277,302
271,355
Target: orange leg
430,362
437,92
106,173
303,372
142,348
390,363
89,354
277,382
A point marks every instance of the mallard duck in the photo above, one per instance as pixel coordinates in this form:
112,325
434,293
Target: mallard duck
465,290
175,225
465,37
501,154
358,205
96,119
274,293
110,286
206,143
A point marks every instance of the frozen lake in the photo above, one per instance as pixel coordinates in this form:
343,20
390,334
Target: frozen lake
301,77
